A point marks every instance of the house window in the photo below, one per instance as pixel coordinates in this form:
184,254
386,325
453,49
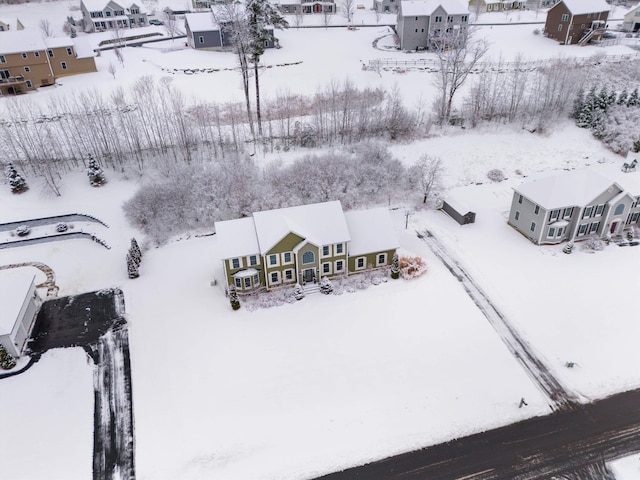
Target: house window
560,231
235,263
464,18
533,226
275,277
382,258
273,259
238,283
69,51
520,199
536,210
27,69
360,263
29,85
438,19
582,27
288,275
266,43
50,52
634,217
552,232
286,257
339,249
4,74
450,19
24,55
599,209
36,54
517,216
416,20
247,282
587,212
554,215
560,27
619,209
567,212
326,268
108,13
422,30
416,30
340,265
308,257
326,250
200,39
2,59
253,260
63,65
583,229
565,17
256,280
594,227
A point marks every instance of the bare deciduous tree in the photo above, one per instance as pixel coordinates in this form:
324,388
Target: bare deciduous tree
170,24
427,174
45,27
458,54
112,69
298,16
348,7
327,16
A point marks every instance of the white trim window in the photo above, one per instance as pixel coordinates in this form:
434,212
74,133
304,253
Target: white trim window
326,268
288,275
338,266
593,228
565,17
533,226
583,229
361,263
381,259
552,232
253,260
587,212
287,257
599,209
273,260
339,248
24,55
235,263
238,283
517,215
63,65
308,258
326,250
274,277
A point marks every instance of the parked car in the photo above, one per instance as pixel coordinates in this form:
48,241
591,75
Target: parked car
155,21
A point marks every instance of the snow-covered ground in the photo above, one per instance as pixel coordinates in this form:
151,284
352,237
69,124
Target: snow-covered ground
627,468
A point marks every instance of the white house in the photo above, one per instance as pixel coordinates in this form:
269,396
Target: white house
20,303
632,20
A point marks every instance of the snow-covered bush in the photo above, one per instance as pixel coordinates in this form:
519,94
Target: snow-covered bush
7,362
593,243
62,227
536,31
23,230
132,267
495,175
395,267
568,248
412,267
298,292
326,286
233,297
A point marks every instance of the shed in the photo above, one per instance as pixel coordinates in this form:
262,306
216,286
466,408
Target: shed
20,303
458,210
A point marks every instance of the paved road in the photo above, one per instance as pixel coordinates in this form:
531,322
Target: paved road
570,444
558,396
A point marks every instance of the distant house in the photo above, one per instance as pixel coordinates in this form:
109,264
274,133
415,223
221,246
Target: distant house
29,61
498,5
427,24
10,25
20,303
632,20
577,22
292,7
386,6
99,15
302,244
204,33
574,205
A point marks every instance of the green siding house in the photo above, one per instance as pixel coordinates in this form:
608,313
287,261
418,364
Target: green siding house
302,244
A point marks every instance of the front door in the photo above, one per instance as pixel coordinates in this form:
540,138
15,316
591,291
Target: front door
614,225
309,275
317,8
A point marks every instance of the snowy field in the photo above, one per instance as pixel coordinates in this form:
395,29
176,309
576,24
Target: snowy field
328,382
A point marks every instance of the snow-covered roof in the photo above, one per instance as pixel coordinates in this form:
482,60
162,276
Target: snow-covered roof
14,287
20,41
456,203
417,8
83,47
95,5
201,22
579,7
371,231
237,238
577,187
11,23
629,181
58,42
319,223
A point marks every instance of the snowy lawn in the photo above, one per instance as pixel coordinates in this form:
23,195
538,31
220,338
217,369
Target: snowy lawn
627,468
47,419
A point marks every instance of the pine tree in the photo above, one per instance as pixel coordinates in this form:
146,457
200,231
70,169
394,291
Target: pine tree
623,97
612,98
298,292
586,112
16,181
634,99
95,173
135,251
233,297
7,362
395,267
578,104
603,99
132,267
326,286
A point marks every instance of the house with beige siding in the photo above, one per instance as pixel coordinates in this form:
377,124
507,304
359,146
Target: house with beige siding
571,206
577,22
302,245
29,61
10,25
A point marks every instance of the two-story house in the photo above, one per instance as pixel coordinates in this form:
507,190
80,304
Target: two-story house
632,20
204,33
577,22
29,61
427,24
99,15
574,205
302,244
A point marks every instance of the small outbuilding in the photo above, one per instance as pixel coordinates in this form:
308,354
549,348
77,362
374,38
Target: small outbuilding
20,304
458,210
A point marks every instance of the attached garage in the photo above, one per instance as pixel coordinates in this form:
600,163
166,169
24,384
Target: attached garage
20,303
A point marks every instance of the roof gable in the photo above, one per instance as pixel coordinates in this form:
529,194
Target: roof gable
580,7
201,22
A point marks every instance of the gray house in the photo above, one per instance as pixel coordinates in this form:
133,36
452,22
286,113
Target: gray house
425,25
99,15
204,33
574,205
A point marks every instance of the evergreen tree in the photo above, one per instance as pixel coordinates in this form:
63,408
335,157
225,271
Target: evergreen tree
132,267
603,99
298,292
95,173
395,267
623,97
326,286
578,104
588,106
7,362
612,98
16,181
634,99
135,251
233,297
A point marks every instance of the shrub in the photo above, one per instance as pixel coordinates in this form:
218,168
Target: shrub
23,230
395,267
594,243
412,267
62,227
495,175
233,297
7,362
568,248
298,292
326,286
